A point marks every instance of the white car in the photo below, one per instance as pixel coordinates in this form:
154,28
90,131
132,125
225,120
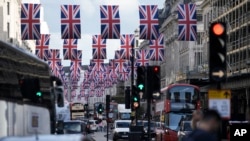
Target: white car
121,129
93,125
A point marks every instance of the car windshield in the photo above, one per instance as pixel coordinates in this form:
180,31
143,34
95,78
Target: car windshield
175,120
72,126
122,125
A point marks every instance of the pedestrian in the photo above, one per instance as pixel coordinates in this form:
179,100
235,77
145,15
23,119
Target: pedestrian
100,125
196,117
104,124
87,128
207,129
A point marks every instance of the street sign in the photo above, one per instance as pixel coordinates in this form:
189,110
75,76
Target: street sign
220,101
219,94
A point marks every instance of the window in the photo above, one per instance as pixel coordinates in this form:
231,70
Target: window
8,8
8,29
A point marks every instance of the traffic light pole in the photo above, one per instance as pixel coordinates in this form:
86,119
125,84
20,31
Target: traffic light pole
148,93
132,78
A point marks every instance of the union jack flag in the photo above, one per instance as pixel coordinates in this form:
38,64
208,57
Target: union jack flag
110,22
99,92
42,47
70,22
30,21
73,94
75,66
123,75
129,68
69,49
113,73
98,65
126,42
142,57
156,49
149,26
119,62
54,61
187,22
99,47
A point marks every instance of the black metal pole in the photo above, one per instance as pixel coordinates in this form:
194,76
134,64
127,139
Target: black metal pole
149,114
107,116
132,77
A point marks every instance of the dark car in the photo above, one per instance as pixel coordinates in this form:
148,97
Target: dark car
185,129
145,126
73,127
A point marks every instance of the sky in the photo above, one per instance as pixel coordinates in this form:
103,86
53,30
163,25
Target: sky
90,23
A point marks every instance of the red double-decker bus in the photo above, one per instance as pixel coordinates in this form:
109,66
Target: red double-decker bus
181,100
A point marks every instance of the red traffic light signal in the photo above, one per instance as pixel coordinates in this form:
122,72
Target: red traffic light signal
218,29
156,69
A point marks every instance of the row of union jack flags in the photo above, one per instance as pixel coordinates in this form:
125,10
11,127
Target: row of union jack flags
110,22
100,75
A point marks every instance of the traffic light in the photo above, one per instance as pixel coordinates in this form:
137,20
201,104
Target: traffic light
217,51
107,102
86,107
154,82
140,81
58,91
135,99
30,89
100,109
127,98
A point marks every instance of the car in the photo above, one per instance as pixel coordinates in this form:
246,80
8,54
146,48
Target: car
121,129
93,125
144,123
73,127
185,129
43,137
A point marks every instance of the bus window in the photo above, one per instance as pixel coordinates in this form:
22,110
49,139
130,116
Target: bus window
177,97
188,97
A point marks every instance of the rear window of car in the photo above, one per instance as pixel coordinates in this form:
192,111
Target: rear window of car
72,126
122,125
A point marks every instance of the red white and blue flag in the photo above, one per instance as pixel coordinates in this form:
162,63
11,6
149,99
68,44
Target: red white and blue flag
99,47
42,47
149,26
113,73
142,57
123,75
54,61
30,21
110,21
75,66
119,62
187,22
127,41
70,22
69,49
98,65
156,49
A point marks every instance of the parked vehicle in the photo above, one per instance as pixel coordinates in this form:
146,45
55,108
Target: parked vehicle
121,129
185,129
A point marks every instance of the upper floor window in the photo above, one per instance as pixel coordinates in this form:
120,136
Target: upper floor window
8,8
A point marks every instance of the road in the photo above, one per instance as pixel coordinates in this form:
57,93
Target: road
100,136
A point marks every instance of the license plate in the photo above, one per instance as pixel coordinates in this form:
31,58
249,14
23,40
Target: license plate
124,136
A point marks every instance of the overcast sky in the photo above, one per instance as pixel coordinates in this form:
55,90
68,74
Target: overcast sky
90,22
